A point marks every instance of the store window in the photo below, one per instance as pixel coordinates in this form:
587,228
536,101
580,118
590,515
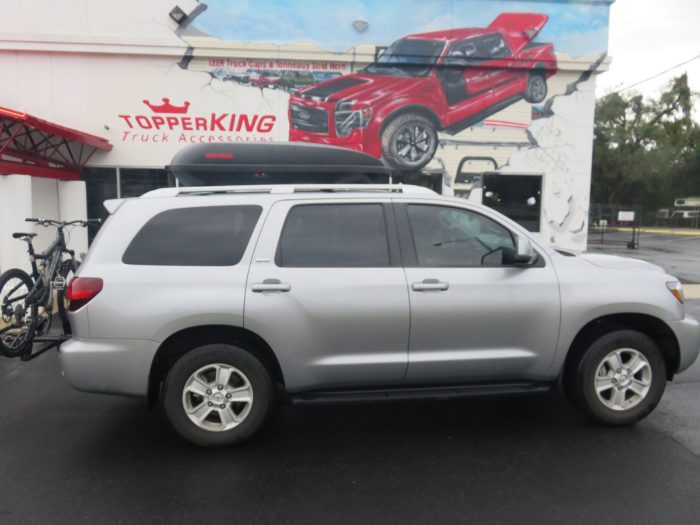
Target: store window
100,185
518,197
137,181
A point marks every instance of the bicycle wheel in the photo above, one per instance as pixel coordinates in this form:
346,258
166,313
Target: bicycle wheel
17,323
67,272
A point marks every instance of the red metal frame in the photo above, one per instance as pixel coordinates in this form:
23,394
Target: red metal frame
33,146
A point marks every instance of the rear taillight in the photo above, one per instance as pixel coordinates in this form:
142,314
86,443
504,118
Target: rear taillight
81,290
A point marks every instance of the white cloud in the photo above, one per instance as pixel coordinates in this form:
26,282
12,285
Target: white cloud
648,36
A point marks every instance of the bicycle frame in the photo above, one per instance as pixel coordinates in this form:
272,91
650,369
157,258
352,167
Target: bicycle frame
42,290
24,313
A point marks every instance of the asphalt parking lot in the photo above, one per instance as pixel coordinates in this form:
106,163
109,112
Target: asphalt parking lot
70,457
677,254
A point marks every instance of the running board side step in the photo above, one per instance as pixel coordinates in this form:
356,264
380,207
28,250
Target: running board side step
403,393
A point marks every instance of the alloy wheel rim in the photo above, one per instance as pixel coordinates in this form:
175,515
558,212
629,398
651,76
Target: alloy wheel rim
217,397
623,379
413,143
538,89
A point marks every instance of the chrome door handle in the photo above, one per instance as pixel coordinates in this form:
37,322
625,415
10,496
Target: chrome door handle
271,285
430,285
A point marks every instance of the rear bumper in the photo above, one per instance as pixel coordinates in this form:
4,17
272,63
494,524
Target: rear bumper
108,366
687,331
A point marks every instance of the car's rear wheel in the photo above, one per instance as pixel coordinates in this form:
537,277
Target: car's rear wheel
620,378
218,395
409,142
536,90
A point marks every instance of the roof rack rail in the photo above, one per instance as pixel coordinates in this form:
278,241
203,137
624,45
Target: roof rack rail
287,189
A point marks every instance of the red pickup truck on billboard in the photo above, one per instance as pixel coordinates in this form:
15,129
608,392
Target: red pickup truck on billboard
425,83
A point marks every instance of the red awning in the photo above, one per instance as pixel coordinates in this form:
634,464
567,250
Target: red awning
33,146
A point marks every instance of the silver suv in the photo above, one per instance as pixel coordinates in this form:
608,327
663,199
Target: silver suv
220,300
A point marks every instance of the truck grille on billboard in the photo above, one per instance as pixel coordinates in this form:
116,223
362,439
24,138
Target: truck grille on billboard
309,119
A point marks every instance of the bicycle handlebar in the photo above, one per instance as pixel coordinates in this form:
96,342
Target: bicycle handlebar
62,224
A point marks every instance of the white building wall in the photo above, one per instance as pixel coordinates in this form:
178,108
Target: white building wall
92,66
44,206
22,196
15,205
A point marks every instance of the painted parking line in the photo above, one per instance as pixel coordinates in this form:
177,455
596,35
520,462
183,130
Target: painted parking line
689,232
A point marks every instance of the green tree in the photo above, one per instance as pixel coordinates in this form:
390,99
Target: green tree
646,152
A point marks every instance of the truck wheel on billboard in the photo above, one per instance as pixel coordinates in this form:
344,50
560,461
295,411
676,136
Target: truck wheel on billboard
536,90
409,141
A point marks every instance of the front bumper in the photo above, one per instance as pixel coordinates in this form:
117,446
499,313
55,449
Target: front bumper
320,128
108,366
687,331
358,141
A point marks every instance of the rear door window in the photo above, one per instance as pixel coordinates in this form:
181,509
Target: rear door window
203,236
334,236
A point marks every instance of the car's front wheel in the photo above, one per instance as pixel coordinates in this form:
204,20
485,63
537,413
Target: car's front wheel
536,90
218,395
620,378
409,142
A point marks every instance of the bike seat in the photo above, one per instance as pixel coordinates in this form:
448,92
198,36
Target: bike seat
19,235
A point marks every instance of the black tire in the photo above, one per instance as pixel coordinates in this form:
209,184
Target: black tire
67,272
15,342
536,90
594,361
409,142
212,355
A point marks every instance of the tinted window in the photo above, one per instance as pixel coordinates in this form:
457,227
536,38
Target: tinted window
334,235
207,236
445,236
495,47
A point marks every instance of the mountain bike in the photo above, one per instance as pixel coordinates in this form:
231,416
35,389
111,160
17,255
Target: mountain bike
27,301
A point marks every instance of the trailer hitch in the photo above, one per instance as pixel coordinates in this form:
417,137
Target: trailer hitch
49,342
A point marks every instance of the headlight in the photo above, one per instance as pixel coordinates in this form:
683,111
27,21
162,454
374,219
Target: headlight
676,288
351,115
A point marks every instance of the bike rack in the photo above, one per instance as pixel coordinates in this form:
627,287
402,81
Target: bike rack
51,341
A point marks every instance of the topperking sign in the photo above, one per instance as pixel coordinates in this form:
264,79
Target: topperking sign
168,122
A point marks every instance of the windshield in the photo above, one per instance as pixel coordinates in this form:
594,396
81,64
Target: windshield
407,57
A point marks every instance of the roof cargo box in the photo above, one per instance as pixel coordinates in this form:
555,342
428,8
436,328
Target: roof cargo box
279,163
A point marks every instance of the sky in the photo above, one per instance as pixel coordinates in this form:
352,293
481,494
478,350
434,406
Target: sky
647,37
575,27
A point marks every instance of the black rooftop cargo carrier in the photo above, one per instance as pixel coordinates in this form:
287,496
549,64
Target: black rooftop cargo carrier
274,163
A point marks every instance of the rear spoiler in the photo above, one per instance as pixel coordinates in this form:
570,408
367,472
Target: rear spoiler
112,205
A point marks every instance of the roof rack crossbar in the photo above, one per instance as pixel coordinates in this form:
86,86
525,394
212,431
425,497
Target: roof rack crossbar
285,189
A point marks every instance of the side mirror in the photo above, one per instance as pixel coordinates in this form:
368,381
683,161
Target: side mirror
525,254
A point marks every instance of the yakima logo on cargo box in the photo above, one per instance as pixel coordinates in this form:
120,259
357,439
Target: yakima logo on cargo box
168,117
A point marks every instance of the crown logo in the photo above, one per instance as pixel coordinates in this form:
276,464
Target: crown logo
167,107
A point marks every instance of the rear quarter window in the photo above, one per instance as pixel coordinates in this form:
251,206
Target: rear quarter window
203,236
